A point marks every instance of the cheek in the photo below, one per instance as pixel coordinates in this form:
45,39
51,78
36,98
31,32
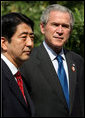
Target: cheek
49,32
67,34
18,48
50,29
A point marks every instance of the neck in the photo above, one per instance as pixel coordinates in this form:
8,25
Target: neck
57,50
13,60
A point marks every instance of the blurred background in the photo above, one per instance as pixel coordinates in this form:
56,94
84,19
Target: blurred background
34,9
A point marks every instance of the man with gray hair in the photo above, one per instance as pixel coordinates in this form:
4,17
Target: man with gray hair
56,74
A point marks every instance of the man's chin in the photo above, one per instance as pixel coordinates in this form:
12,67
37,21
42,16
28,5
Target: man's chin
25,58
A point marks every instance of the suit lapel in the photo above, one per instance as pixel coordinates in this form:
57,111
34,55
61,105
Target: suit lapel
15,88
72,77
29,101
13,84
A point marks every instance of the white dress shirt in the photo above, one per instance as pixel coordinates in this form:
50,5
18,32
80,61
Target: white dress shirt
53,55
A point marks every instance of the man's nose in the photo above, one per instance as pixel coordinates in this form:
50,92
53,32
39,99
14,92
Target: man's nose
59,30
29,42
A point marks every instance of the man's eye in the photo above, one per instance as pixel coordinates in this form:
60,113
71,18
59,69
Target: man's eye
66,26
55,24
24,37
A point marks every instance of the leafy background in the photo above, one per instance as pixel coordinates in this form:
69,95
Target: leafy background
33,9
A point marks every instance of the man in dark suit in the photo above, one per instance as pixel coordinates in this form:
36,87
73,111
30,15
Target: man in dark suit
49,97
16,45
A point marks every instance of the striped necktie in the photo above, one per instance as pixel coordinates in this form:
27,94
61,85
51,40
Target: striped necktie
20,84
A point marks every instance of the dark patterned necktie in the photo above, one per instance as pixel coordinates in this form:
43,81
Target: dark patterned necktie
63,78
20,84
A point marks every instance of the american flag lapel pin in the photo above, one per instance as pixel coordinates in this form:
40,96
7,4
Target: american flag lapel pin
73,68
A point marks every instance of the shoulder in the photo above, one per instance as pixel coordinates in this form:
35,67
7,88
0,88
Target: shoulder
74,56
37,53
37,50
4,66
5,71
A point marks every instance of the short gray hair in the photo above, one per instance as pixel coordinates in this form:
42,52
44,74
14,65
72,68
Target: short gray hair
56,7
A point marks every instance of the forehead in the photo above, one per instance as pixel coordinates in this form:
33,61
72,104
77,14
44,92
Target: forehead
59,16
23,28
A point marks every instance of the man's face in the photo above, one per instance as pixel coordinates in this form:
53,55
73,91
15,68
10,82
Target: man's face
57,30
21,44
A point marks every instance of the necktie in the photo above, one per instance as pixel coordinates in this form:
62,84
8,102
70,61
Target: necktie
20,83
63,78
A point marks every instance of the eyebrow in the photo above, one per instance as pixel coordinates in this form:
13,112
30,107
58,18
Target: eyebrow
60,23
26,33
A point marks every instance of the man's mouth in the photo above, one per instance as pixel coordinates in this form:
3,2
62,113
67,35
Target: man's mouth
58,37
27,52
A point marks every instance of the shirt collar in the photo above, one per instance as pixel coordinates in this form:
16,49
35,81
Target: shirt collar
9,64
51,53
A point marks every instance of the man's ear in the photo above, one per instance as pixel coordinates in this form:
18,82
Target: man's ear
42,27
4,43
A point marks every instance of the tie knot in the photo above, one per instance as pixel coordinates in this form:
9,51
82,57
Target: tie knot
18,75
59,58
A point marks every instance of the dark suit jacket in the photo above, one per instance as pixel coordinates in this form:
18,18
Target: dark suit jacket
13,104
47,93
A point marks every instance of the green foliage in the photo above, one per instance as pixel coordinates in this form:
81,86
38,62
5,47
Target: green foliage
76,41
34,9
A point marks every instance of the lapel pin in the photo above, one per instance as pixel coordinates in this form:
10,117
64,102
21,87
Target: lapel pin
73,67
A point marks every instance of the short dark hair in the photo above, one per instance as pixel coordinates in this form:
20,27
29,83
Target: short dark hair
10,21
